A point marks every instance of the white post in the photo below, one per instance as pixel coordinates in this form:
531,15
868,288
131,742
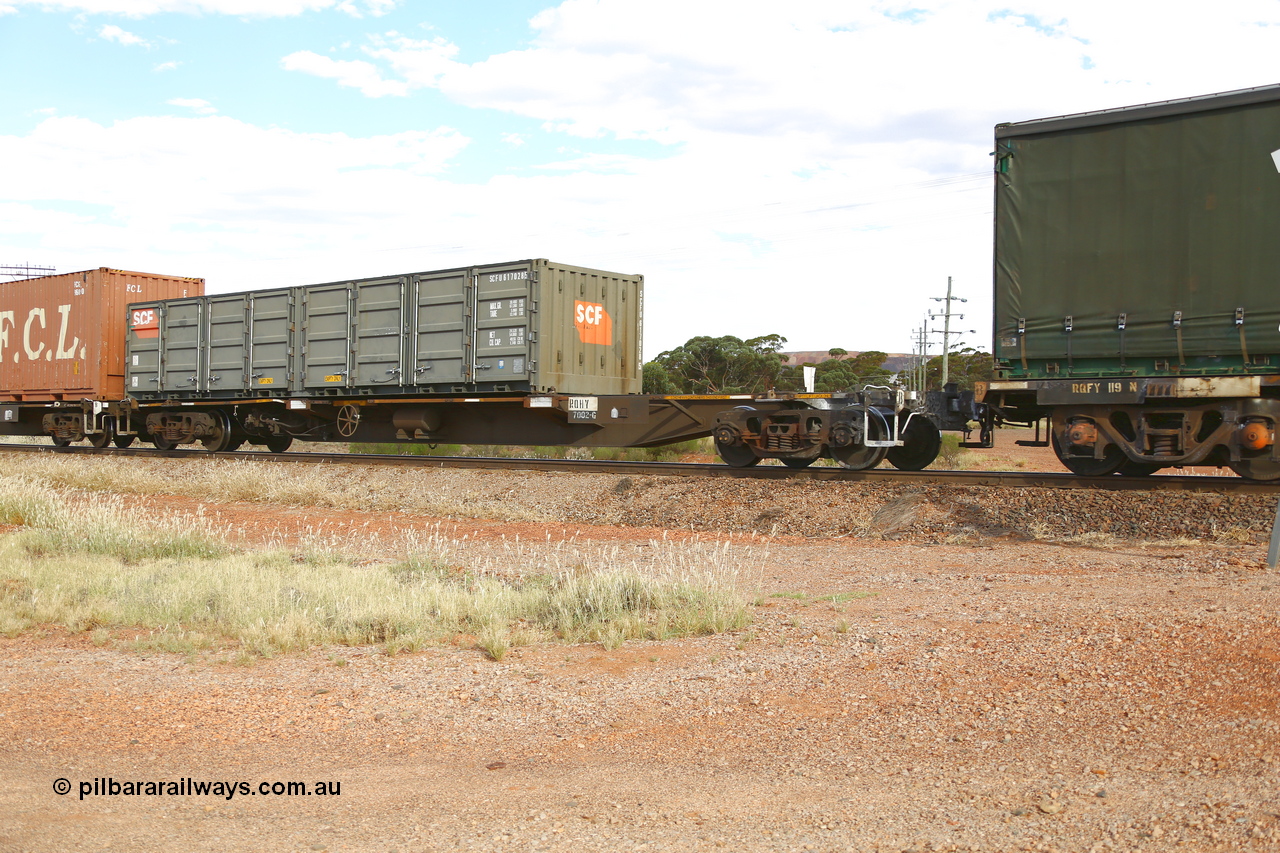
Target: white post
1273,550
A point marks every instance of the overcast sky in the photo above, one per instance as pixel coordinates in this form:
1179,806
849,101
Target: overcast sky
812,169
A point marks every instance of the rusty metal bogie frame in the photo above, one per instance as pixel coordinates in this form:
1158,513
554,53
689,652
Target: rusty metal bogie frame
1166,435
802,433
182,427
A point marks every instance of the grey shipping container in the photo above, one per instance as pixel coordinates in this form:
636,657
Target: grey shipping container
529,326
1140,240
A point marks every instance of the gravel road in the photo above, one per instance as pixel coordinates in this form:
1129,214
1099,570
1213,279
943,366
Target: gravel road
943,669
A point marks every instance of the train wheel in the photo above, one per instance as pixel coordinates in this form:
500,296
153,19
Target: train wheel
59,441
123,441
163,443
102,439
737,455
799,461
1087,466
222,435
1257,468
921,443
278,443
859,457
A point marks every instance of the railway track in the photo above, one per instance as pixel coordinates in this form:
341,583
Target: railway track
1007,479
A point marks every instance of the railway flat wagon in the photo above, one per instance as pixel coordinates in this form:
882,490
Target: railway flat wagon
1137,283
525,352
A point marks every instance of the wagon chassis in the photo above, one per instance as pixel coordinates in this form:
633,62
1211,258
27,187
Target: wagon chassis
857,430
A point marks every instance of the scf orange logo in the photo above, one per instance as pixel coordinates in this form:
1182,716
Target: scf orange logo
145,322
593,323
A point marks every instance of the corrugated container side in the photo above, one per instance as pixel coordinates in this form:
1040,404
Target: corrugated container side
62,337
1121,223
520,326
589,329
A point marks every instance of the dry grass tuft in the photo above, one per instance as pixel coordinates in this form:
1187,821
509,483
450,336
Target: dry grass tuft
86,564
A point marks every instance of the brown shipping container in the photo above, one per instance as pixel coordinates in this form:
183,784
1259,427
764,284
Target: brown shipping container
62,337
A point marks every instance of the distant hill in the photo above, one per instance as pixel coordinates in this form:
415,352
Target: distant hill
895,363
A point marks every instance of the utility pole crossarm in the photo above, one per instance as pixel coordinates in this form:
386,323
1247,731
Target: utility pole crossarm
946,316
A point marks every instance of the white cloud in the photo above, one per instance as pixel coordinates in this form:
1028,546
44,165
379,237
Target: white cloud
221,198
355,73
372,8
113,33
421,62
852,72
166,66
814,169
197,105
140,8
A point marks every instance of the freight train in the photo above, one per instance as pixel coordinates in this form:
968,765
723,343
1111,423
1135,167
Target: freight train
1135,309
1137,284
526,353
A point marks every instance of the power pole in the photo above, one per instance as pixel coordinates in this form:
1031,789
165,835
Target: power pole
921,370
946,316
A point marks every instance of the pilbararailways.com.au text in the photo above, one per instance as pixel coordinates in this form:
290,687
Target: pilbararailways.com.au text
188,787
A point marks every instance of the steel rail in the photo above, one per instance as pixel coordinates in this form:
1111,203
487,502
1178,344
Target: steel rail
1007,479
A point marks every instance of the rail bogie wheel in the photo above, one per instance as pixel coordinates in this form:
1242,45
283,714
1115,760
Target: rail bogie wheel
102,439
123,441
163,443
222,436
737,455
921,443
1138,469
1086,466
1257,468
799,461
59,441
859,457
278,443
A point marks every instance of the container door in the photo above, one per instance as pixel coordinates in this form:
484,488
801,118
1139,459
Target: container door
270,344
502,310
181,345
379,333
227,344
142,360
440,341
326,336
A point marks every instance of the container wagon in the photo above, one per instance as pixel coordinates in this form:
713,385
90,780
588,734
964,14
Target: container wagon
62,346
1137,284
525,352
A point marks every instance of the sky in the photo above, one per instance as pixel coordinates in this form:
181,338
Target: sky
814,169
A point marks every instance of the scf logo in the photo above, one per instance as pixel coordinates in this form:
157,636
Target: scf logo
145,322
593,323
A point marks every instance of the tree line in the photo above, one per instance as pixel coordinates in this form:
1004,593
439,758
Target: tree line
729,365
